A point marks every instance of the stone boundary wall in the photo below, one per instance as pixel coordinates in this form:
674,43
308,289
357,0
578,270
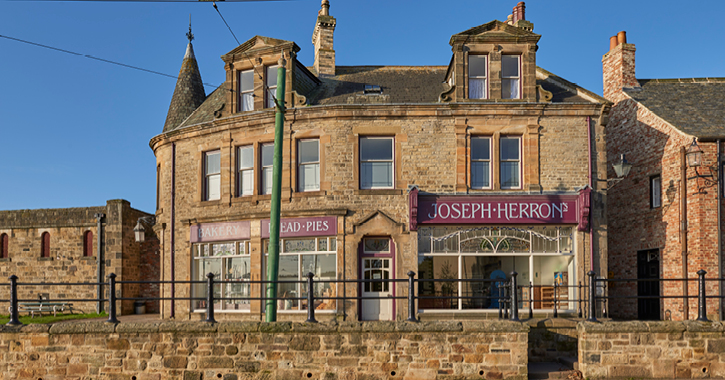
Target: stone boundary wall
686,350
256,350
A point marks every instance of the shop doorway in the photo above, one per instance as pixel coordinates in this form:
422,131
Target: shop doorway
377,268
648,268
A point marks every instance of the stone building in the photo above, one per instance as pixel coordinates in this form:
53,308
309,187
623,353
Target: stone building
664,218
468,171
62,245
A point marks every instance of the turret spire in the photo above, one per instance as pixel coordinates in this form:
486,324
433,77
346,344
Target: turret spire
189,92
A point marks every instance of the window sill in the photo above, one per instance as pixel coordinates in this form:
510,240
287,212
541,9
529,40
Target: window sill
45,259
210,203
88,258
378,192
6,260
317,193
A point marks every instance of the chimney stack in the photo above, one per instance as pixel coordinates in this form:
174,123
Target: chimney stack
519,12
322,38
618,67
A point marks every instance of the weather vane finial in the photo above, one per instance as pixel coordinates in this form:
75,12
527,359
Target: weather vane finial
190,35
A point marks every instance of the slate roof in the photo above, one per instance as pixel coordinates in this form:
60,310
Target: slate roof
695,106
189,92
400,85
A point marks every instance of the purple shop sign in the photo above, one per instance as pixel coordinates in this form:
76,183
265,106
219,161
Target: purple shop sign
535,209
315,226
206,232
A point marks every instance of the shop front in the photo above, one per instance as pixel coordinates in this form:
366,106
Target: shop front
468,246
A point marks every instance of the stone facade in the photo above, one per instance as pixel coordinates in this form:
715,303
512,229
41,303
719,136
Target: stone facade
67,261
558,126
251,350
681,350
655,145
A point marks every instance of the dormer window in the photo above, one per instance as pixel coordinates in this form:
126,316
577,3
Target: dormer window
271,86
372,89
510,77
246,90
477,77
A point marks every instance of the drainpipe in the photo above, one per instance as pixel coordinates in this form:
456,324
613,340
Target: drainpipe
719,230
683,230
173,220
591,227
99,253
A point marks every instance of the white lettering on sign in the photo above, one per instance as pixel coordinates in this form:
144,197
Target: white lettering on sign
502,211
218,231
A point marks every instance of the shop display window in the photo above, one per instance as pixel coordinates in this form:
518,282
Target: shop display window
229,262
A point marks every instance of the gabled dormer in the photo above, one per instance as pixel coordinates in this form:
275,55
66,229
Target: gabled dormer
252,75
495,61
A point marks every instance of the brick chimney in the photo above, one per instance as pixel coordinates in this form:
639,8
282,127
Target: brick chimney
518,17
322,38
618,67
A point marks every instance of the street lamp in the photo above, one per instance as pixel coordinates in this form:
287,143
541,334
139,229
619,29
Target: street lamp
621,169
139,231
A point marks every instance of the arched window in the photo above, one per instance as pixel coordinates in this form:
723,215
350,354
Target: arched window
4,246
88,244
45,245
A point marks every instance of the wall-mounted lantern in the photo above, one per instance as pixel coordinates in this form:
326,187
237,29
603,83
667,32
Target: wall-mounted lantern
139,231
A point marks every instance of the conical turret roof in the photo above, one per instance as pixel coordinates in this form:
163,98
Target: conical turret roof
188,94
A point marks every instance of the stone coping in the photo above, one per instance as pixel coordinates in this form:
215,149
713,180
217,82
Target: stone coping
649,327
332,327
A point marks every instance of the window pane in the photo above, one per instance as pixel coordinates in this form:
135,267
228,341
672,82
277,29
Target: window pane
213,163
509,174
476,88
376,174
247,185
439,268
309,151
299,245
480,148
309,177
322,266
272,76
510,66
248,102
246,157
288,271
376,148
247,80
509,148
477,65
480,174
267,180
267,154
509,88
212,187
656,192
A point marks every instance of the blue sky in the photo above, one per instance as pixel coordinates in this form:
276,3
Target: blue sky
75,131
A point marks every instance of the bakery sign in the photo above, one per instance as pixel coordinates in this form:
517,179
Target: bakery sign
206,232
497,209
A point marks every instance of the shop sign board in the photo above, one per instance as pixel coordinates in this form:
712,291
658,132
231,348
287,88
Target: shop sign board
298,227
207,232
497,209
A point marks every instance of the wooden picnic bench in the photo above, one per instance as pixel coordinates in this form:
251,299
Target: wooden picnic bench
44,307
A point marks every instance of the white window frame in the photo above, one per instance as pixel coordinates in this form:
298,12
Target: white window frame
241,250
488,161
301,166
655,192
502,160
208,177
246,92
270,90
391,161
301,274
517,78
478,77
242,170
266,188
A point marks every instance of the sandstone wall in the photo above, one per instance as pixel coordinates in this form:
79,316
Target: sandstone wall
251,350
652,350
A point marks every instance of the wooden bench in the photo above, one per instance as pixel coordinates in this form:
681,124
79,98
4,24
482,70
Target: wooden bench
44,307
